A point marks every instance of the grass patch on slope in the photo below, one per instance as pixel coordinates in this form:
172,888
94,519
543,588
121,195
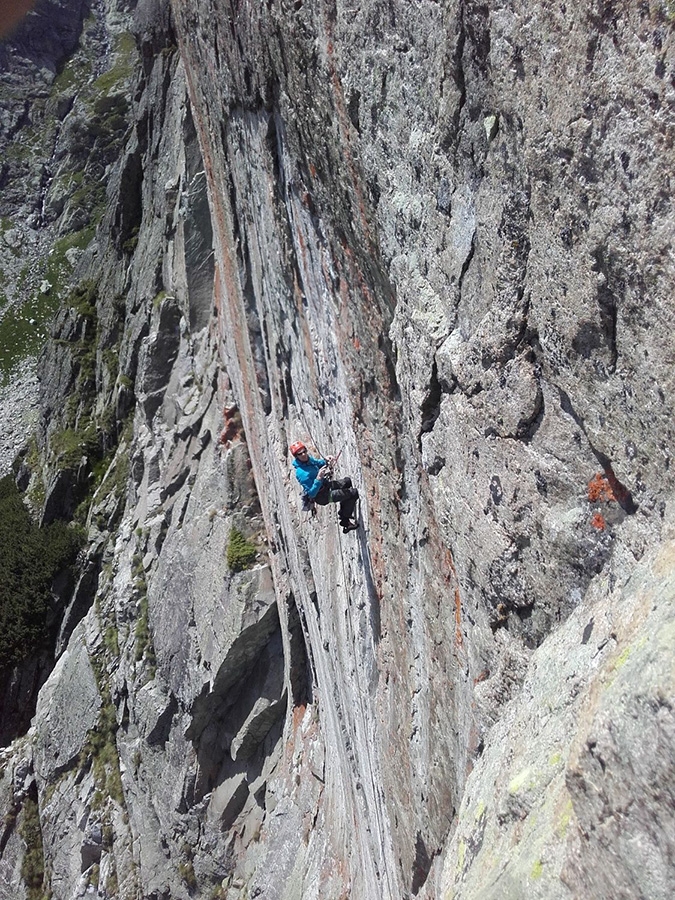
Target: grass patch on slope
24,327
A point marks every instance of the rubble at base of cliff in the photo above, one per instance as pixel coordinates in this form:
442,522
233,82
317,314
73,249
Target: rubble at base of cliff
19,410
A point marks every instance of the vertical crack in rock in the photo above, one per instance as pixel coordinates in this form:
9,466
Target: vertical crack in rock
199,262
129,212
231,720
421,866
466,263
452,137
431,405
255,328
476,20
610,288
300,671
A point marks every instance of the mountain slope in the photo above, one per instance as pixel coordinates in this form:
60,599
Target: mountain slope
436,238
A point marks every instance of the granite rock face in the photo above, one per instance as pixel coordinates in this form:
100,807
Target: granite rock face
436,238
574,796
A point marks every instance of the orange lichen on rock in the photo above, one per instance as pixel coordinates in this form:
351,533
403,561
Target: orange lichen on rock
605,487
600,489
452,579
598,521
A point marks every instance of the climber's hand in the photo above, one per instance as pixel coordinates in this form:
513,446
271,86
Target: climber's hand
324,472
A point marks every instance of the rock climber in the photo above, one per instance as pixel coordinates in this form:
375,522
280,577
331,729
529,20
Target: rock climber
315,478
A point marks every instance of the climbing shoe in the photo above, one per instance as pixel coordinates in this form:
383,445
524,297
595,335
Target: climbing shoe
351,525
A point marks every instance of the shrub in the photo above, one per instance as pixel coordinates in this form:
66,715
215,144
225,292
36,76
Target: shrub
100,751
32,864
70,445
186,870
241,553
144,646
30,558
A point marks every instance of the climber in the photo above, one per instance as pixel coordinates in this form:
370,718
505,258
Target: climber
315,478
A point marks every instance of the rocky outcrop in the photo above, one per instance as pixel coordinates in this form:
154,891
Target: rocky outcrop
405,232
560,800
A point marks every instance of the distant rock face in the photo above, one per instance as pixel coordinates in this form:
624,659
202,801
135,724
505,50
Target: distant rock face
435,238
64,77
29,58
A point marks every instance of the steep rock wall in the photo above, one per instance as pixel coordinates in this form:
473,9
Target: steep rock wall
502,213
388,229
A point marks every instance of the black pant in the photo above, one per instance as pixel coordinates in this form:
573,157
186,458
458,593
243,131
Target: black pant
340,492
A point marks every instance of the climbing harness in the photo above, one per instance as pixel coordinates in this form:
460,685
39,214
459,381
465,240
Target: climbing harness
308,505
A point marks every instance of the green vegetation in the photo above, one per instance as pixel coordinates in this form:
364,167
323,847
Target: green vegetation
105,130
111,360
112,884
110,119
33,862
86,434
59,269
73,75
70,445
132,241
101,122
537,870
115,78
142,634
241,553
30,557
186,868
83,301
111,641
31,145
94,875
24,329
144,647
101,751
565,819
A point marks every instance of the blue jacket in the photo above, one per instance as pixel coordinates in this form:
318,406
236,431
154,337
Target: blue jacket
306,473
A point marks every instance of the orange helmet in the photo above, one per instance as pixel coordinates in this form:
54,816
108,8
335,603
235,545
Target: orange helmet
297,447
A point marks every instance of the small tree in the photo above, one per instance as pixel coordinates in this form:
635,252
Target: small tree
30,558
241,554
